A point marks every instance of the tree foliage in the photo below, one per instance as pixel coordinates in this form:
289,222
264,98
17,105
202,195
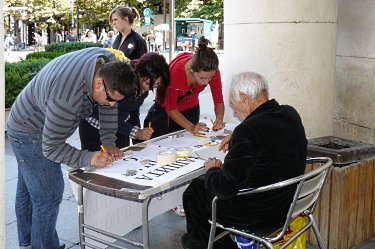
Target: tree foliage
96,12
206,9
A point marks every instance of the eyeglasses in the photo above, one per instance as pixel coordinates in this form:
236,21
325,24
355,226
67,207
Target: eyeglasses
109,99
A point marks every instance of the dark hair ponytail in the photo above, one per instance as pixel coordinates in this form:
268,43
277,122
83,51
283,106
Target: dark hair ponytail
204,59
202,42
153,65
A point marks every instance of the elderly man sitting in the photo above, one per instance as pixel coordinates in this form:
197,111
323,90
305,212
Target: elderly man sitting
267,147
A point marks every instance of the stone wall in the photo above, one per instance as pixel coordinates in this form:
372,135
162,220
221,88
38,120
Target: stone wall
293,44
354,116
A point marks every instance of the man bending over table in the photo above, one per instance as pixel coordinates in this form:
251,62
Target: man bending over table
44,115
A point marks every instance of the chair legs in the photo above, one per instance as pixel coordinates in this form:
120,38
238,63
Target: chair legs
212,237
316,232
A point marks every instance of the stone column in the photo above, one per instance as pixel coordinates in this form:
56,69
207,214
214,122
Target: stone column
293,44
355,76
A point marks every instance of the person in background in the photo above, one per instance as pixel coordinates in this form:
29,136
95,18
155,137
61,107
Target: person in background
144,35
128,41
15,42
38,41
72,36
8,42
190,74
103,36
58,37
45,114
44,39
153,72
109,39
193,40
269,146
151,41
91,36
94,36
159,41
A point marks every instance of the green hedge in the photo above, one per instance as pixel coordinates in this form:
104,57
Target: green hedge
18,74
44,54
67,47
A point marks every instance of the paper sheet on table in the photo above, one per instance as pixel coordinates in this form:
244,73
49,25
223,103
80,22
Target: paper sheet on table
187,140
191,140
149,150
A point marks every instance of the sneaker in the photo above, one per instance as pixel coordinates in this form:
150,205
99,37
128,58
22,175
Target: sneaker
179,210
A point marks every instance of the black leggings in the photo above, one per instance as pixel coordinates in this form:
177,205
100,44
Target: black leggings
159,120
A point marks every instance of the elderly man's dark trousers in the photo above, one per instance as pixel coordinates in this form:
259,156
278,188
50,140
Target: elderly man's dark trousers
197,204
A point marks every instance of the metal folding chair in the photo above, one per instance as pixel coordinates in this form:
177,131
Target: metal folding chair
308,189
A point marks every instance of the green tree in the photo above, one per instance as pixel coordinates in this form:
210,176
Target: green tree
38,11
94,12
206,9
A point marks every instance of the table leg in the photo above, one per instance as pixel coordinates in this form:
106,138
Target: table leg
81,216
146,239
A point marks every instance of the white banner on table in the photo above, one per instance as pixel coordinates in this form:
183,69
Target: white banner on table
142,163
150,174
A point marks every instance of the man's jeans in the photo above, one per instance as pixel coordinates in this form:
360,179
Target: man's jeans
39,192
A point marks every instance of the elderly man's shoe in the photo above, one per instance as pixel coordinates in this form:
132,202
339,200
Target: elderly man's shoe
188,242
62,246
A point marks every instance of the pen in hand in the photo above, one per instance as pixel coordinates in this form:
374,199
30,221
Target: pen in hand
105,151
213,125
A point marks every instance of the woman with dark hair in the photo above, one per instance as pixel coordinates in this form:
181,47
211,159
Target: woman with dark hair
190,74
128,41
153,72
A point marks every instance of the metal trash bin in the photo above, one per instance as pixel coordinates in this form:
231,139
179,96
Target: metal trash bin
345,214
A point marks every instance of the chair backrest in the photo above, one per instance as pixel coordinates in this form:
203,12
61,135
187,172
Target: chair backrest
309,187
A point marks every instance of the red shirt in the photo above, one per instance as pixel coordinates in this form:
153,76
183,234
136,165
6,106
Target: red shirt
179,87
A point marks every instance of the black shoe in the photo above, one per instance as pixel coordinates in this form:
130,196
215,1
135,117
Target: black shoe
188,242
62,246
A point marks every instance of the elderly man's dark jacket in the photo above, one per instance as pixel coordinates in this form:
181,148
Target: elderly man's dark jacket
267,147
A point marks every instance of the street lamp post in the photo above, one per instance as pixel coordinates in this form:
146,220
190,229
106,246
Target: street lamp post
171,29
9,23
49,33
72,13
